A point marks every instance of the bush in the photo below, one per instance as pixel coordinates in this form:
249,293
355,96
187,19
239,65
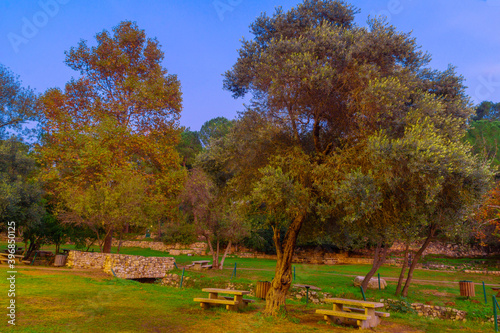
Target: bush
183,233
401,306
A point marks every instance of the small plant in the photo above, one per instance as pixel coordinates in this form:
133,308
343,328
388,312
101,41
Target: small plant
401,306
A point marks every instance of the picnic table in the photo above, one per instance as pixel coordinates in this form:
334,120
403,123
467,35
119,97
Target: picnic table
232,303
200,264
4,258
497,289
348,311
42,254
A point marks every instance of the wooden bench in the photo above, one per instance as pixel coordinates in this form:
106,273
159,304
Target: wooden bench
231,303
244,300
4,258
377,313
206,302
363,313
497,289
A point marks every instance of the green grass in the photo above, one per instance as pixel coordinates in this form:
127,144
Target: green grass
76,301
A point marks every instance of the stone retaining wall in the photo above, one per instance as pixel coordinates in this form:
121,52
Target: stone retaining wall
309,256
435,311
124,266
442,312
198,248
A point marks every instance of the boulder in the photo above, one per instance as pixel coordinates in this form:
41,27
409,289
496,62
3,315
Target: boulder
373,284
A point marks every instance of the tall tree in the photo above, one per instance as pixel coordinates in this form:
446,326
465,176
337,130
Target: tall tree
21,192
188,147
322,88
17,104
488,215
487,110
484,136
213,213
214,129
113,128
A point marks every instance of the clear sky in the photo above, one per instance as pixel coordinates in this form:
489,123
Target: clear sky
200,39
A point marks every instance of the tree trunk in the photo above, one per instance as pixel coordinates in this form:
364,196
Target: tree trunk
106,248
403,269
119,243
216,262
215,253
57,248
378,260
416,259
33,247
221,265
276,297
89,245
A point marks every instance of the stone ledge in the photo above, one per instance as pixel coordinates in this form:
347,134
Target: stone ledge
124,266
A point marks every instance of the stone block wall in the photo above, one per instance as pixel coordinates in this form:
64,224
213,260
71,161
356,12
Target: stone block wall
199,248
124,266
86,260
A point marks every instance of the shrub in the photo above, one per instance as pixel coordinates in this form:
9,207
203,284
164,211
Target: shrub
183,233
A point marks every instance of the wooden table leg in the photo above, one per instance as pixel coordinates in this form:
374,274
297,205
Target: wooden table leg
213,295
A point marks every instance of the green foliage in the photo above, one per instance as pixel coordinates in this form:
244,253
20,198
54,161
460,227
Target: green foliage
17,105
20,191
348,128
214,129
261,239
188,147
400,306
484,136
182,233
488,111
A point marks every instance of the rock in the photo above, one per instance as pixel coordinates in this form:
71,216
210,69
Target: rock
373,284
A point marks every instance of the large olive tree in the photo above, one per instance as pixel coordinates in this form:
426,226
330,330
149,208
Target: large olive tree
326,95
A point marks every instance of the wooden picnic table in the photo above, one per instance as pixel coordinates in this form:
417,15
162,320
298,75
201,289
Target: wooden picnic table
231,303
348,311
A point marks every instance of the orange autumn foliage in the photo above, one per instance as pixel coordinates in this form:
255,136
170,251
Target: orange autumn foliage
112,133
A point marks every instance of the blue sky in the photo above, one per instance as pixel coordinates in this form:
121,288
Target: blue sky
200,39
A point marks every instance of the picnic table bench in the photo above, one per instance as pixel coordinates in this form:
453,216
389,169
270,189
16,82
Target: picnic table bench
354,312
200,264
4,258
231,303
497,289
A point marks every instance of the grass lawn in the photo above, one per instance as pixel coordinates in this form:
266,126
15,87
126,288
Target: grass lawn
65,300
